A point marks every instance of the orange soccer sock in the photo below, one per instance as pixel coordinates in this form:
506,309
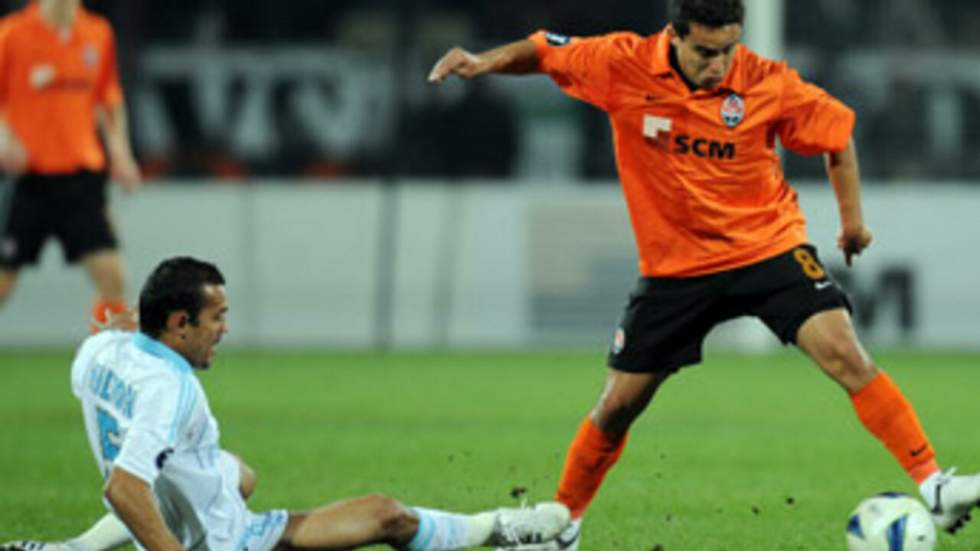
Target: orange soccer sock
887,415
590,456
100,311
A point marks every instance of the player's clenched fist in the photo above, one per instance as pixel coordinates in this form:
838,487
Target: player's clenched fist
459,62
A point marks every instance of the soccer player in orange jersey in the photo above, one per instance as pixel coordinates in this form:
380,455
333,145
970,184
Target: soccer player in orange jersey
696,118
59,86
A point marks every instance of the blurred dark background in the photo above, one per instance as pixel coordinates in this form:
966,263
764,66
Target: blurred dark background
336,89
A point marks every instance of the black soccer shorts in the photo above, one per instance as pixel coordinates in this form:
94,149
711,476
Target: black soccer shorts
71,207
667,319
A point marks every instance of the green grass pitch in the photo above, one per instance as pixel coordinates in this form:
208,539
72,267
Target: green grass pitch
740,453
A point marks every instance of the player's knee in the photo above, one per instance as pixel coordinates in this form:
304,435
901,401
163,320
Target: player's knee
397,522
247,480
844,360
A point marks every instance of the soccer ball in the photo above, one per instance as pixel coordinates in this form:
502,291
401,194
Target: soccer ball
891,522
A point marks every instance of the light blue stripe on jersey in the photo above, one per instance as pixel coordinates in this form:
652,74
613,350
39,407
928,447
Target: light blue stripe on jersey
187,398
184,404
156,348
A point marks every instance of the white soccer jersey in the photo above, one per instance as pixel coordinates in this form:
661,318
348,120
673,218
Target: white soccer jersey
146,412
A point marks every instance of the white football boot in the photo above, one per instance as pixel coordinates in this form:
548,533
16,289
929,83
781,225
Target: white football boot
513,527
33,545
567,540
950,498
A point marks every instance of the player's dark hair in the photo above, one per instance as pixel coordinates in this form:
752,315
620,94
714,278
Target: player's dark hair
176,284
710,13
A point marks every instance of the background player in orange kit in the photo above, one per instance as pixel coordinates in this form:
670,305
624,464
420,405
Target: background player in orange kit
695,118
59,85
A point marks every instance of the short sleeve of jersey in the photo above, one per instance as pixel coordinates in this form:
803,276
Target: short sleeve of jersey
160,413
108,89
581,67
812,121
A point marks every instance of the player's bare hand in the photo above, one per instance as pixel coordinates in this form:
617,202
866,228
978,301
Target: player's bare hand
852,240
127,320
457,62
124,171
13,157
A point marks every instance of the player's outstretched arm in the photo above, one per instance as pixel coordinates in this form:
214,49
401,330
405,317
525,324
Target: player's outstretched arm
842,169
516,58
132,500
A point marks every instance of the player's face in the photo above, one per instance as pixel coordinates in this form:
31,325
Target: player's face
204,335
706,53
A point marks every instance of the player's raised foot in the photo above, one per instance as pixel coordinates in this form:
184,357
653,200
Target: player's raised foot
951,498
567,540
513,527
32,545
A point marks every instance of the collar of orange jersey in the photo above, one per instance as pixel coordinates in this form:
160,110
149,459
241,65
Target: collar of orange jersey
34,9
660,65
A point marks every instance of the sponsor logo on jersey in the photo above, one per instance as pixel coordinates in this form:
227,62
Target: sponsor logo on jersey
733,110
556,39
703,147
45,77
653,126
42,76
657,132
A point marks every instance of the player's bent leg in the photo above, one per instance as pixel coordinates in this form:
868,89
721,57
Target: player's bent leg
8,280
829,338
351,523
105,268
596,448
625,396
883,409
598,444
378,519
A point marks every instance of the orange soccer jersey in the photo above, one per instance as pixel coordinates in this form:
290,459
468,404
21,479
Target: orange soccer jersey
50,85
702,180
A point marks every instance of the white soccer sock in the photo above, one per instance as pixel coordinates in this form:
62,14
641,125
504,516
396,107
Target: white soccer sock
106,534
442,531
